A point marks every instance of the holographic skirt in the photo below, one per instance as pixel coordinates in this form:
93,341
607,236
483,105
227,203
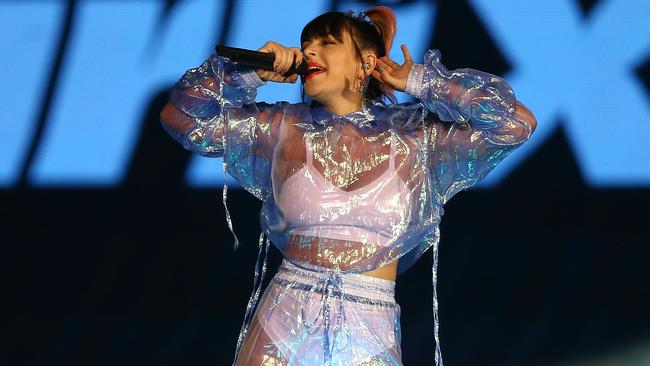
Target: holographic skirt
320,317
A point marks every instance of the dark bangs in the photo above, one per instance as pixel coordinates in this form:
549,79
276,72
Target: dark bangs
332,23
363,34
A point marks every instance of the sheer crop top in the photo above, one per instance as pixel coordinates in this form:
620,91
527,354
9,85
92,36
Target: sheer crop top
371,214
463,124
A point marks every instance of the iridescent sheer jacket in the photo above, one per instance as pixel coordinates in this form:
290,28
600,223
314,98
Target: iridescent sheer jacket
383,173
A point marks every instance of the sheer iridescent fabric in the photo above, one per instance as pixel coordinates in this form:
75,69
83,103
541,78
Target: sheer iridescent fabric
347,194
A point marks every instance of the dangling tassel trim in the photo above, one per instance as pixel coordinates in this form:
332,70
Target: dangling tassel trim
257,287
434,278
225,204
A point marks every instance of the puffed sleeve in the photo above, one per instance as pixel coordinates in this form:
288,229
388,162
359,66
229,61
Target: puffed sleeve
476,123
212,112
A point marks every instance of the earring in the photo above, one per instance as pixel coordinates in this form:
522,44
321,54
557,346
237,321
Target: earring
366,66
364,86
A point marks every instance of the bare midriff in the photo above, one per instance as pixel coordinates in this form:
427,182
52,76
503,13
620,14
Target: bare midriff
337,254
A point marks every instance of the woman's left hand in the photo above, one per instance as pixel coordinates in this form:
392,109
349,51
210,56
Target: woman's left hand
392,73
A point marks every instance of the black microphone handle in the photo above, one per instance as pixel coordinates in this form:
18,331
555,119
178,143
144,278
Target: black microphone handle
257,60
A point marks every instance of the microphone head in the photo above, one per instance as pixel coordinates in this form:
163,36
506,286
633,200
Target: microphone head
302,69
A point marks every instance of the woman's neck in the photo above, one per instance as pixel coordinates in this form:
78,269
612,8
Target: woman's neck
342,106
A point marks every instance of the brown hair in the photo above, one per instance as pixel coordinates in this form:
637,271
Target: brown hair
374,32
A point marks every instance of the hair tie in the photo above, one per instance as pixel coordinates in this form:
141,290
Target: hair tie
361,16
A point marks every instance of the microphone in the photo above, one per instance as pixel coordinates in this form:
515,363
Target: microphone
257,60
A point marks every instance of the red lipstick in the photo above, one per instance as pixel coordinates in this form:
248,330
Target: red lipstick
314,69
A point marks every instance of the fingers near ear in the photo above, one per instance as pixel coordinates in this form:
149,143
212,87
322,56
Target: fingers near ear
383,64
391,63
407,54
385,76
375,74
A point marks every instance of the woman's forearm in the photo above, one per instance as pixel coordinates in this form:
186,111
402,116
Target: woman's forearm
196,112
483,100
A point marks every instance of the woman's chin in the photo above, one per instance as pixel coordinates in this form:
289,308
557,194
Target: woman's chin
311,92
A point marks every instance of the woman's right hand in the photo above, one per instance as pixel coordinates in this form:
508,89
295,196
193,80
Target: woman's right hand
284,58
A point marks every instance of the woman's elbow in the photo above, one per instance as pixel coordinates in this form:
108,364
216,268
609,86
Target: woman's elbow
175,119
522,113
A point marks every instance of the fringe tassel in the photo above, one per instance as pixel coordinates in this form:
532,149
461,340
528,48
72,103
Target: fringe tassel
436,323
257,287
225,204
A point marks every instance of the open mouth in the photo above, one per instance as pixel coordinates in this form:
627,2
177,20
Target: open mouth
314,69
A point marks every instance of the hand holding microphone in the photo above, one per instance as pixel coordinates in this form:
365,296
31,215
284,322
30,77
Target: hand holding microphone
272,62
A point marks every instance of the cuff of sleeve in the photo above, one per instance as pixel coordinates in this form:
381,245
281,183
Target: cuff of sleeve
415,80
251,79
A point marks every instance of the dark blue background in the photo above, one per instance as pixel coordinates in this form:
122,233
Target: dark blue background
114,244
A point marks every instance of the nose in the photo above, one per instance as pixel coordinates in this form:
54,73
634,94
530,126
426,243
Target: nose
309,52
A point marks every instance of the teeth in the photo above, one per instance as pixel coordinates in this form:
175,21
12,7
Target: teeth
315,69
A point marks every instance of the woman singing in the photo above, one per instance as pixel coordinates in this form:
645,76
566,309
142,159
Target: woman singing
352,184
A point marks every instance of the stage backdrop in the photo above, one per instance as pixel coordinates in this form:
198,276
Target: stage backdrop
114,248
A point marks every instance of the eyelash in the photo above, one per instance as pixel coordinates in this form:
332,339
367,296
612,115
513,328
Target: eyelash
323,42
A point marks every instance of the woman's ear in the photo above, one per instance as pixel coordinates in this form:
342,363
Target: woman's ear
369,63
